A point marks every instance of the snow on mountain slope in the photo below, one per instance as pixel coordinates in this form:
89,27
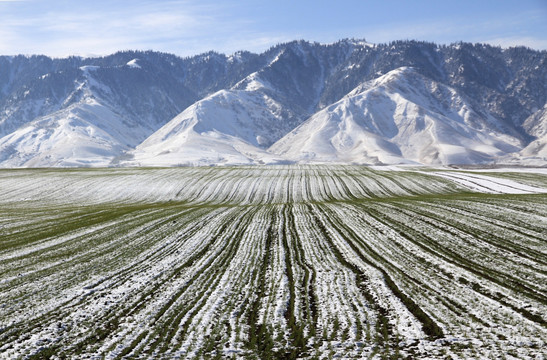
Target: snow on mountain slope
463,103
401,117
84,134
89,129
76,134
535,153
228,127
537,149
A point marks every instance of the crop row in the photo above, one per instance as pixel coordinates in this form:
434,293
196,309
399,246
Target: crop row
270,263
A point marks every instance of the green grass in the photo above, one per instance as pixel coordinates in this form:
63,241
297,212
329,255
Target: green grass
279,262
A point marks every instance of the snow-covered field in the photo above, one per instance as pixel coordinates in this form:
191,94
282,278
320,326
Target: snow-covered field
273,262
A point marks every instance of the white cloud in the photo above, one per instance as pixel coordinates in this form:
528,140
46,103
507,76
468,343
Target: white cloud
508,31
187,27
144,25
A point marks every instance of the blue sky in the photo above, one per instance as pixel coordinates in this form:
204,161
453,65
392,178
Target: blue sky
186,27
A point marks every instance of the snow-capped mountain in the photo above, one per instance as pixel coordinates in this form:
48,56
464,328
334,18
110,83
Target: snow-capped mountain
535,153
350,101
249,120
400,117
88,130
84,134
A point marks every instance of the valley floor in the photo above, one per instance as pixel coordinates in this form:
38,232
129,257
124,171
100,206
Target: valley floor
273,262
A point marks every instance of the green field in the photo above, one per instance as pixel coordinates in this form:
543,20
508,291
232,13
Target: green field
273,262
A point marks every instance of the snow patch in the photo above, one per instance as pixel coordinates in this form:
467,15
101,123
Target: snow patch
134,64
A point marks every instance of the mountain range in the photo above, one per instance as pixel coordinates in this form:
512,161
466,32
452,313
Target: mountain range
404,102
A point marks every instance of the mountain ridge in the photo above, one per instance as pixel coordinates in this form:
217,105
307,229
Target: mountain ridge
252,102
395,119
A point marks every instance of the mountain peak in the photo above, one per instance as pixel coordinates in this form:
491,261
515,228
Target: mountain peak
349,101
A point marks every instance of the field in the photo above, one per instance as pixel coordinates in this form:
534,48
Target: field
273,262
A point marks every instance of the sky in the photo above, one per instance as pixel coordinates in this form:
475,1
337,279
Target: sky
61,28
